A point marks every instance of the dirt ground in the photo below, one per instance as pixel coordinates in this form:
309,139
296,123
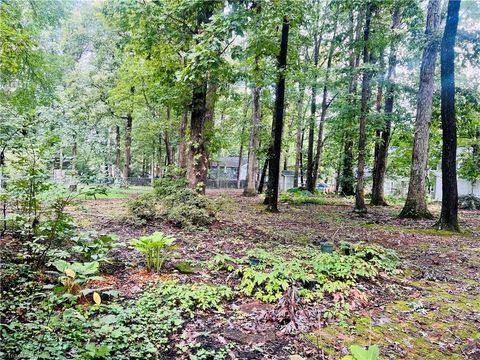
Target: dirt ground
431,310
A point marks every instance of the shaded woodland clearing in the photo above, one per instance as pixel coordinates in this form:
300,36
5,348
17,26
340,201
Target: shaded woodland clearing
305,96
428,311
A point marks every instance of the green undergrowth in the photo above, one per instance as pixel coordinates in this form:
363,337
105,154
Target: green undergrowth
33,326
265,275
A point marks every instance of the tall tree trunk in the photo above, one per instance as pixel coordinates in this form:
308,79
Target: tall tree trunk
449,214
325,105
210,111
197,163
299,138
380,167
74,157
362,133
128,146
168,148
182,146
261,181
348,179
312,121
117,151
416,203
197,156
302,177
250,189
274,162
240,156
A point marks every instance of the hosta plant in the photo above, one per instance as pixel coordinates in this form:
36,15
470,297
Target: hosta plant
74,278
155,248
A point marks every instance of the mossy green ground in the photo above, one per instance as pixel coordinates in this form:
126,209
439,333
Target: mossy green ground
434,325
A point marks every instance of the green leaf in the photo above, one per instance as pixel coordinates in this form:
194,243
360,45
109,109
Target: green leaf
360,353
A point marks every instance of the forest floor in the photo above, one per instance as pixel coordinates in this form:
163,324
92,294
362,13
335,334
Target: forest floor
429,310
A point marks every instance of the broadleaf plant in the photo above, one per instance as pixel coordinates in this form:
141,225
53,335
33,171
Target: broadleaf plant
155,248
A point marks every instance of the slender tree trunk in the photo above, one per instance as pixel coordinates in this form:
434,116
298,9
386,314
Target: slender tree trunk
74,157
302,177
128,146
240,156
449,214
274,163
348,178
250,190
325,105
182,146
299,138
362,133
117,151
416,203
168,148
312,121
380,167
261,181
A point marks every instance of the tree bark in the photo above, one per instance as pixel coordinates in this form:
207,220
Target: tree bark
348,179
362,134
312,121
299,139
261,181
277,129
197,162
250,190
128,146
380,167
449,214
325,105
182,146
240,156
117,151
416,203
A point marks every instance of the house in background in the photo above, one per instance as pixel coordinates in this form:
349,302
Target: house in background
464,187
223,172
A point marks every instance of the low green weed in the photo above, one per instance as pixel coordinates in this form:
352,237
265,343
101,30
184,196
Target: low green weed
266,275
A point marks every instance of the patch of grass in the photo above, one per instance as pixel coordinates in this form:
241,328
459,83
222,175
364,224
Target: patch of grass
124,193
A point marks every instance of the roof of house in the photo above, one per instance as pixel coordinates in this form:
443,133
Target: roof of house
228,161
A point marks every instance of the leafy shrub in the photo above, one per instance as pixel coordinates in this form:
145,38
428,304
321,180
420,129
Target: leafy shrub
173,179
172,201
186,208
469,202
155,248
144,207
